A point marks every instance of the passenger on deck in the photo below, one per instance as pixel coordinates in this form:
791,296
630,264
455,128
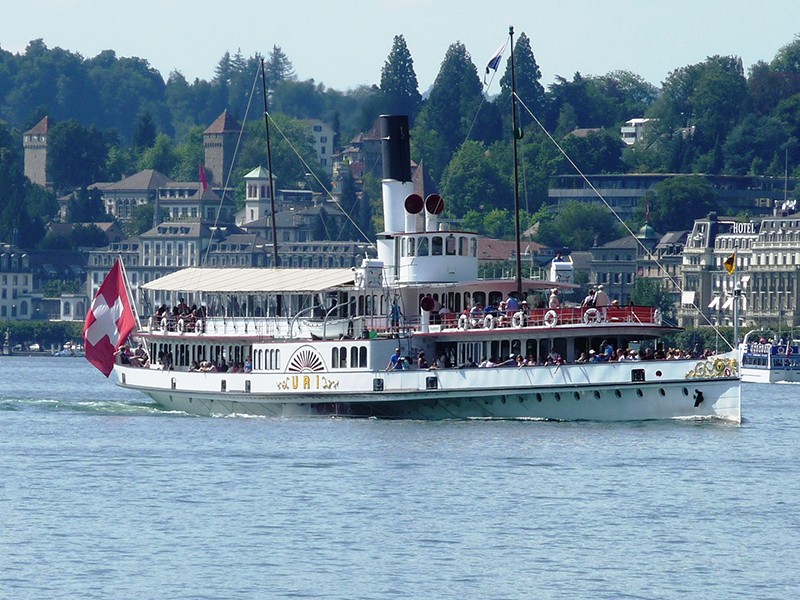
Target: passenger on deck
422,362
393,360
554,302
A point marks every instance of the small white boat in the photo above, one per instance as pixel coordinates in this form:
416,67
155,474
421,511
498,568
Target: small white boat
768,361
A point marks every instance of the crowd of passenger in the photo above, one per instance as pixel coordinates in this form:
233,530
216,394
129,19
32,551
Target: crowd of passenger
180,313
605,354
207,366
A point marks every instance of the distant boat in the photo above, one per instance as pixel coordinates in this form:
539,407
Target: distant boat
768,361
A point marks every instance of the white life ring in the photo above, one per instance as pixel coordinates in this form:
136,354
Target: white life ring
592,316
463,322
551,318
489,322
164,324
181,326
657,316
518,320
198,326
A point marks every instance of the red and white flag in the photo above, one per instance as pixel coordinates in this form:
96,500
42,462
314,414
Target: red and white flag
109,322
203,179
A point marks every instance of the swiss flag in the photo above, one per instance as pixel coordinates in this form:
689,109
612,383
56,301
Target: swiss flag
109,322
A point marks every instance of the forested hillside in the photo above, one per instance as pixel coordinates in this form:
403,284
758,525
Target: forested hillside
115,115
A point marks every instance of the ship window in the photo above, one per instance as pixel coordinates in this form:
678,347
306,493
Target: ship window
247,386
335,358
411,246
422,249
354,356
223,386
463,247
362,356
436,245
450,245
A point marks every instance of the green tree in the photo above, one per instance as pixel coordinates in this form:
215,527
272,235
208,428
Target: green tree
142,219
162,157
451,114
597,152
677,202
471,182
651,292
399,87
144,135
528,83
85,206
76,155
278,68
579,226
90,236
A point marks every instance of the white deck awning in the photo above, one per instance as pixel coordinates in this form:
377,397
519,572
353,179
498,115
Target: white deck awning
714,303
227,280
728,303
687,297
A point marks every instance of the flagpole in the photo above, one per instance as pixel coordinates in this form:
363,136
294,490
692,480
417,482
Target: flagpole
129,292
737,293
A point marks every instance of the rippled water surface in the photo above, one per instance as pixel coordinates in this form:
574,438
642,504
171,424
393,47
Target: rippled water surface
102,495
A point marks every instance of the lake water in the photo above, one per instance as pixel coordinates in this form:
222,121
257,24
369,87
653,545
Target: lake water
104,496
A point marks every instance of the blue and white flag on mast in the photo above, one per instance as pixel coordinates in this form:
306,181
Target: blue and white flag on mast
494,62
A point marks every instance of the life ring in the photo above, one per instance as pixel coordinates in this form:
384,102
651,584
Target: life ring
518,320
657,316
463,322
198,326
551,318
489,322
164,324
181,326
592,316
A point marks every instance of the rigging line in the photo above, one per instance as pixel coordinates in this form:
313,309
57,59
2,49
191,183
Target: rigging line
649,254
322,185
229,175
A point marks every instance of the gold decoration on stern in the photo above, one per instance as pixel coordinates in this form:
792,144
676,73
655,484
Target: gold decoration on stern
714,367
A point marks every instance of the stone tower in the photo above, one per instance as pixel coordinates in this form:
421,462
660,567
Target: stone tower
219,141
34,143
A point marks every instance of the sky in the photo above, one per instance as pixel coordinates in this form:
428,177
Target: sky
344,44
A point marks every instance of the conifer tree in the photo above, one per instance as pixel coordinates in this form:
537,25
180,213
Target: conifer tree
399,86
529,88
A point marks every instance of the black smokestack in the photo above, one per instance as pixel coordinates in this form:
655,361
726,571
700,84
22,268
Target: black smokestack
395,147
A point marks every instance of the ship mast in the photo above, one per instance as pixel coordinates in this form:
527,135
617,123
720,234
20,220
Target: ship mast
516,134
269,169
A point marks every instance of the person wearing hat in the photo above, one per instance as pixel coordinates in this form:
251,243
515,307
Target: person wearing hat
554,302
593,356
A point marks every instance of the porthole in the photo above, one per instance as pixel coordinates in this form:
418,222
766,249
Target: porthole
662,391
597,394
639,393
558,397
685,391
577,396
538,397
618,394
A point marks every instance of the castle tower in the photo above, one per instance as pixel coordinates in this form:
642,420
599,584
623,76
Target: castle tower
34,143
219,141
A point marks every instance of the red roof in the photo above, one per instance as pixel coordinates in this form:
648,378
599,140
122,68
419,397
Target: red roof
224,124
40,128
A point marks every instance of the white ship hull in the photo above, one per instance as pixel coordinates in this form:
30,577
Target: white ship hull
601,392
